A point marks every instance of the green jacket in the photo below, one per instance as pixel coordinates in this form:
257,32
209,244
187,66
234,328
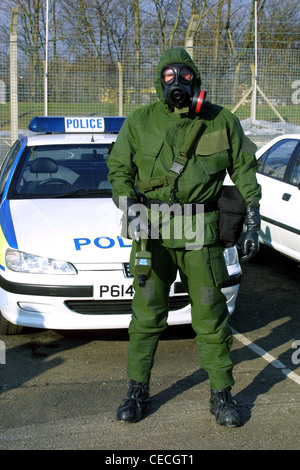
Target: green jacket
153,135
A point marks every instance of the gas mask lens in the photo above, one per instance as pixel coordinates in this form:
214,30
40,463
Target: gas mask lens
168,75
184,74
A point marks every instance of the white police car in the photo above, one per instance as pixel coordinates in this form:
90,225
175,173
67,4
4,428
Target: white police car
63,264
279,176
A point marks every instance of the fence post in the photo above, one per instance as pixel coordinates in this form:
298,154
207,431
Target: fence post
189,36
120,89
13,75
253,86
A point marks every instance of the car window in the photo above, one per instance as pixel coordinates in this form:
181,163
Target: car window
274,162
295,178
61,170
7,164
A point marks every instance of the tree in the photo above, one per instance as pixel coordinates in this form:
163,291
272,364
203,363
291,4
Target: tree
279,25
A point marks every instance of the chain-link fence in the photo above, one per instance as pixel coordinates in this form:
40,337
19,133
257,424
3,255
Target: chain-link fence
86,85
90,85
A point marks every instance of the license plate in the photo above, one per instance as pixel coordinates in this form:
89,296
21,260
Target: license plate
116,291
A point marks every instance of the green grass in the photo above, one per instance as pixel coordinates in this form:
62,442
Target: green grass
26,111
289,113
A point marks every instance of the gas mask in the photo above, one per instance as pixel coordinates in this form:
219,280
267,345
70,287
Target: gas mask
177,84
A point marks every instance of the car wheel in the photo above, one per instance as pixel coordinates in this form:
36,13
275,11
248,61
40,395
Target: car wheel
8,328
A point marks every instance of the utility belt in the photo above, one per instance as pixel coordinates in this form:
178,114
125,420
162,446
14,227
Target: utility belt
186,209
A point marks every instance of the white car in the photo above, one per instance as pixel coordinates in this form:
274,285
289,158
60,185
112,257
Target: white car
63,264
279,176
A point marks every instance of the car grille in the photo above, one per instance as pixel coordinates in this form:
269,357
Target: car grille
122,307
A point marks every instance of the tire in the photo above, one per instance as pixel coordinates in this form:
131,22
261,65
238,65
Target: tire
8,328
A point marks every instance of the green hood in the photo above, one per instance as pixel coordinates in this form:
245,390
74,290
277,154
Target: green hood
173,56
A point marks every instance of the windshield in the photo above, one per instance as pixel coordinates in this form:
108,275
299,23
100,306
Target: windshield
62,171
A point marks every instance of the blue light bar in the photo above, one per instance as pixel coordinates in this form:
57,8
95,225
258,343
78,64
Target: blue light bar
81,124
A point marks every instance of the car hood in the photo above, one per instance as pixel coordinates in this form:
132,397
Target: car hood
74,230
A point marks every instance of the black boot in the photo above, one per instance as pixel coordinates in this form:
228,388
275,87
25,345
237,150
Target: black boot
223,407
136,403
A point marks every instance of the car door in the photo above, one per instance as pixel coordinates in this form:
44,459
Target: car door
277,174
289,209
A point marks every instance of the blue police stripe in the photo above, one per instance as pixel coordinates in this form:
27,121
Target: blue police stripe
7,225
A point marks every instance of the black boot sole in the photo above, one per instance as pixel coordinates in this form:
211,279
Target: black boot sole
222,422
131,411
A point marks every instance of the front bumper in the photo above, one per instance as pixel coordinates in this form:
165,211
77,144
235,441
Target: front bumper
97,300
94,300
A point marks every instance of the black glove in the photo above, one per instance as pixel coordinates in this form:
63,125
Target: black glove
249,240
134,219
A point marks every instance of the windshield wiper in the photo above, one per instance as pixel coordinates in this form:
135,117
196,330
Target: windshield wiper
85,193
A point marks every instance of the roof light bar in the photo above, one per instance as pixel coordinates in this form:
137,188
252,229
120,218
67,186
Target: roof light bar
81,124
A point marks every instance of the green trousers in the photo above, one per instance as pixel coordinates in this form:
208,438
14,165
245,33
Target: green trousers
202,273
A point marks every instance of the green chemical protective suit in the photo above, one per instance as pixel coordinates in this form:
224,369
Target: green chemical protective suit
149,141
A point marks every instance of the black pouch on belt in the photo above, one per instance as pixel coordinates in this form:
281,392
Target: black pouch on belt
232,209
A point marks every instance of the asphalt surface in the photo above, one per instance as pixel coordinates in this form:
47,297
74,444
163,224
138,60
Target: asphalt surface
61,391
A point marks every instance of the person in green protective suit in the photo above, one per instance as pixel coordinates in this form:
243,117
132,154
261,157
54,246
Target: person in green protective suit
144,167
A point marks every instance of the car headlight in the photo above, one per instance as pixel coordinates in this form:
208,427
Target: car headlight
231,256
27,263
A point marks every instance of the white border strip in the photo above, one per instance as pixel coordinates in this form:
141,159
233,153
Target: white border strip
268,357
